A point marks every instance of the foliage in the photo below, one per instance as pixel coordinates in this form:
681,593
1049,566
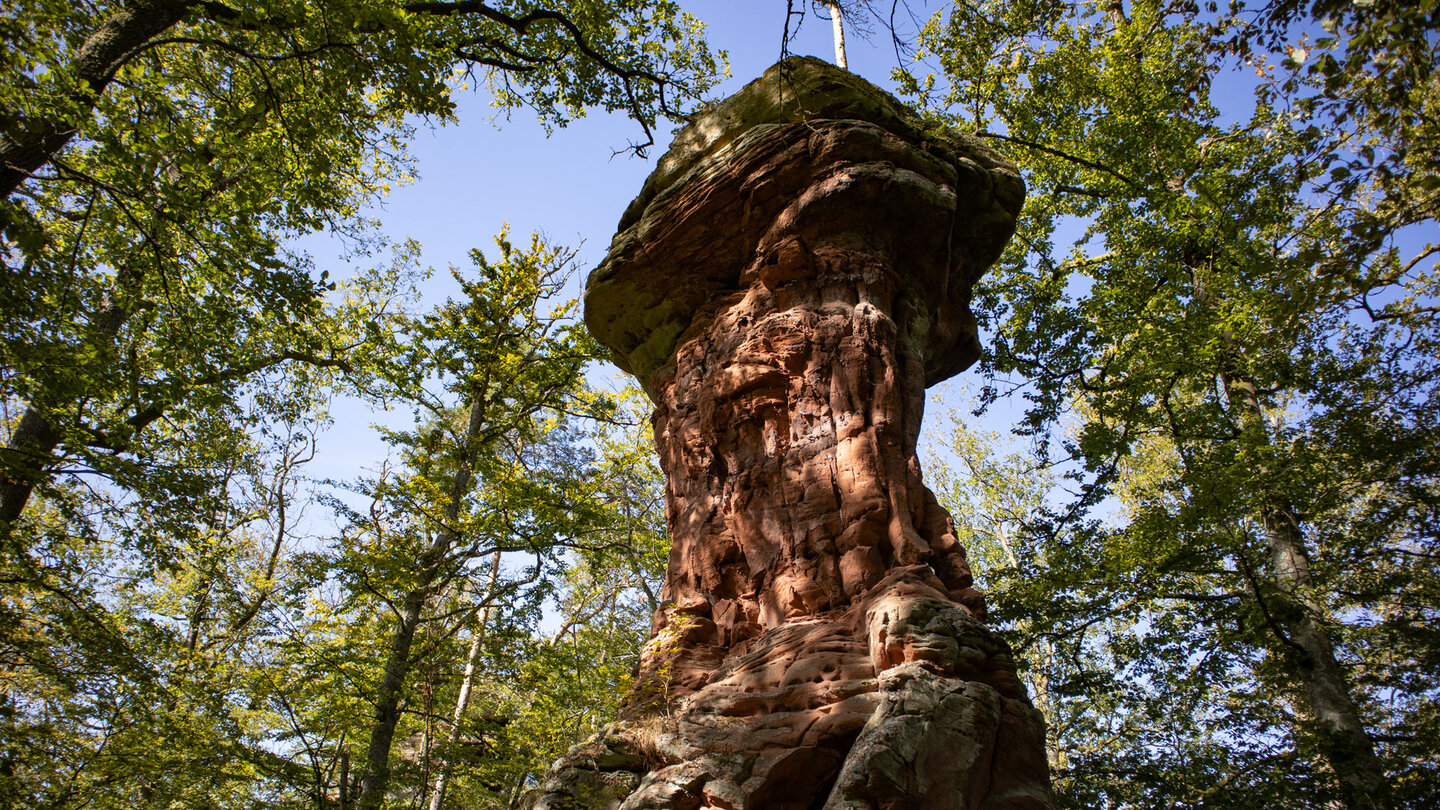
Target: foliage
493,469
160,156
1248,351
1221,313
1372,66
129,683
252,664
173,631
573,677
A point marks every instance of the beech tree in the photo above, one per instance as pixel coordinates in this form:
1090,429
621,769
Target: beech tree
1246,334
156,157
475,481
132,683
400,661
532,689
160,336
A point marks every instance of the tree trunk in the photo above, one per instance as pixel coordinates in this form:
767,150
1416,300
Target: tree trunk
1041,693
837,22
25,460
398,664
26,147
1309,654
387,701
467,684
1342,737
344,780
22,464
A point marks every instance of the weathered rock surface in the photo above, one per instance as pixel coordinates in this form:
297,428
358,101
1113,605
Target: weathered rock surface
793,275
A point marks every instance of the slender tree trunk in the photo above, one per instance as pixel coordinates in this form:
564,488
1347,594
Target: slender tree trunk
512,799
387,701
837,23
1309,653
398,664
344,780
651,600
26,147
1115,11
467,684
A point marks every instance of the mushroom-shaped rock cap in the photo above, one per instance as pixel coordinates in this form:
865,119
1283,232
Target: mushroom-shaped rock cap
810,155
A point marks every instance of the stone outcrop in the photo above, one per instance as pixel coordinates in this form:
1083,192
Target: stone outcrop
793,275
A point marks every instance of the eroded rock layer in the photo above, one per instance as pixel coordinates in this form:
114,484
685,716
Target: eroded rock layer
793,275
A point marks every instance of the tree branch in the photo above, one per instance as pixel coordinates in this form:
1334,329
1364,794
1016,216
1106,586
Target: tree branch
522,26
24,149
1049,150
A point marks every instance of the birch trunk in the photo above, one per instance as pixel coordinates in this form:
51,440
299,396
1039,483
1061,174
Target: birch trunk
467,684
838,24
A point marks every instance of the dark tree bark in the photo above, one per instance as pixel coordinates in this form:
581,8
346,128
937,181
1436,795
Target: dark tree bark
29,145
387,701
26,147
23,463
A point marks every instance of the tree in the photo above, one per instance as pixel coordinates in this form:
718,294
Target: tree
531,691
1219,315
156,156
131,681
488,472
157,333
993,500
837,22
1129,719
260,663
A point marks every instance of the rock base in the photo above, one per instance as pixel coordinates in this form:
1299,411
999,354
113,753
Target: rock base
904,700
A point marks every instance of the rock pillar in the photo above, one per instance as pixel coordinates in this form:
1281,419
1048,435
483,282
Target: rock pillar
791,278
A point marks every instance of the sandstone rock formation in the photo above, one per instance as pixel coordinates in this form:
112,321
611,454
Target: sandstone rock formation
791,278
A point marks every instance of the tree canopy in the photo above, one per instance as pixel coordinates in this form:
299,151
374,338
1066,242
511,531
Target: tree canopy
175,630
159,156
1221,313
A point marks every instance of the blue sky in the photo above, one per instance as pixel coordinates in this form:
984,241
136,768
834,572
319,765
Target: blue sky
478,174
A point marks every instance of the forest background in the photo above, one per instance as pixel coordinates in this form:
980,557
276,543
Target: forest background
1211,538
